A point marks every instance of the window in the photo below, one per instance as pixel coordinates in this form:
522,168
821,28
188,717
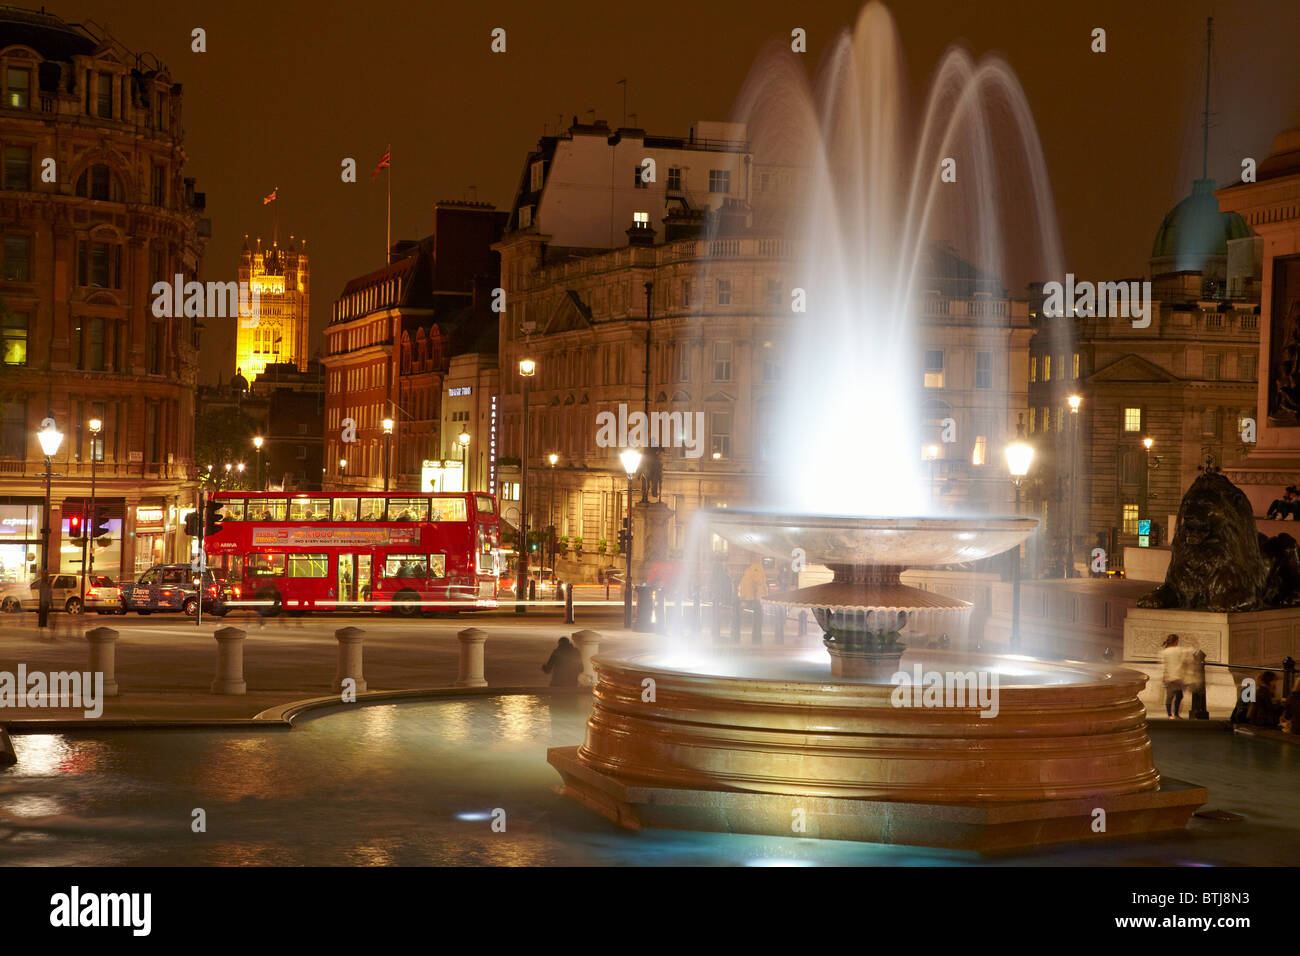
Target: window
1033,420
638,179
1132,419
158,185
1130,518
771,370
525,216
448,509
345,509
13,338
983,369
1047,368
683,363
18,259
719,181
406,566
934,368
95,359
1033,368
104,96
720,434
99,264
264,565
266,509
724,292
1211,368
536,176
1129,474
722,361
674,179
408,509
309,565
18,167
13,428
978,455
509,491
641,220
309,509
1211,423
1246,370
232,511
154,348
484,504
18,85
372,509
1074,366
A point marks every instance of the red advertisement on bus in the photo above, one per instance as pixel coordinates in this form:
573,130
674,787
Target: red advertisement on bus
338,551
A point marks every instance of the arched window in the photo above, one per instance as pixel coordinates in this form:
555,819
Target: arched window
406,353
98,182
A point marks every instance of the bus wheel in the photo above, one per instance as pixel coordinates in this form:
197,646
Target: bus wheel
271,595
405,603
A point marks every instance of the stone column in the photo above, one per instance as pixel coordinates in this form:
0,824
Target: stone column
471,658
350,641
230,662
588,644
103,657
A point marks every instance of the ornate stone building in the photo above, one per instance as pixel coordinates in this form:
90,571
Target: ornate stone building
278,333
94,208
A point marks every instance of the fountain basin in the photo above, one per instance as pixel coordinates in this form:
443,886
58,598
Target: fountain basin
746,750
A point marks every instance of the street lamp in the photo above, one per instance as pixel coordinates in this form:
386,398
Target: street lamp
50,438
258,440
87,531
527,369
1074,401
388,447
550,509
1020,455
631,459
1146,477
463,440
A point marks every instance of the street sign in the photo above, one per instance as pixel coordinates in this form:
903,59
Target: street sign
1144,526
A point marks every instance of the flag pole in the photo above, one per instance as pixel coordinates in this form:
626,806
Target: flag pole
388,230
275,217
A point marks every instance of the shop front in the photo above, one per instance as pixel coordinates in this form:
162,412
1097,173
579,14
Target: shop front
20,541
150,536
91,536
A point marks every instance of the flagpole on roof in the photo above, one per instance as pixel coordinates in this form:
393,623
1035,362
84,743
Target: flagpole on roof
275,217
388,232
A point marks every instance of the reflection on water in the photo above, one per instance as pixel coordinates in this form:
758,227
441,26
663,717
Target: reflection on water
420,783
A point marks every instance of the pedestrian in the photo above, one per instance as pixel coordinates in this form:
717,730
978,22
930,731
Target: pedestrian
1266,709
564,665
1171,674
753,588
1194,681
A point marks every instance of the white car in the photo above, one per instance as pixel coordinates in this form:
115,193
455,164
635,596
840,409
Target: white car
65,595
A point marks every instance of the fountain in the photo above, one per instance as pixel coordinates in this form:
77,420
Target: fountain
975,751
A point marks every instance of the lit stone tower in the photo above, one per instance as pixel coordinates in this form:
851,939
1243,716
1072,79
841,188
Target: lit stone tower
281,277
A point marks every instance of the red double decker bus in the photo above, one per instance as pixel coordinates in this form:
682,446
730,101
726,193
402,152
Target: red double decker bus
325,551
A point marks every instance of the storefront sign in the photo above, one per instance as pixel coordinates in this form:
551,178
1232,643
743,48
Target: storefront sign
460,390
148,517
333,537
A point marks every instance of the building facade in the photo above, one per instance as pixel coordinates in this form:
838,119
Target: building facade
278,333
94,209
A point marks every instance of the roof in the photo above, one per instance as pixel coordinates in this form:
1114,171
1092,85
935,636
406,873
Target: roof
46,34
1194,230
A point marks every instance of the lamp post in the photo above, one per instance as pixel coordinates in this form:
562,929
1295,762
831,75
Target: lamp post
229,468
550,509
1075,401
463,440
87,531
388,448
527,369
50,438
257,443
1146,477
631,459
1020,455
343,464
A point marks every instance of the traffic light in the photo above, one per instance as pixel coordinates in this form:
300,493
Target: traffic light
74,526
192,524
101,527
211,518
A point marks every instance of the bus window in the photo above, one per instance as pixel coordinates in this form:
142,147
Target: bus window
345,509
437,565
372,509
485,504
309,565
309,509
264,566
406,566
232,511
266,509
408,509
448,509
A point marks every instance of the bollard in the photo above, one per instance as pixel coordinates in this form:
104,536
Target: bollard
588,644
230,662
350,640
568,603
103,657
471,657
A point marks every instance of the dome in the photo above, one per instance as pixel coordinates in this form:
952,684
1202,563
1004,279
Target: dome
1195,230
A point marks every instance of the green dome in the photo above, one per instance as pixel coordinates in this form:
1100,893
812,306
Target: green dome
1195,230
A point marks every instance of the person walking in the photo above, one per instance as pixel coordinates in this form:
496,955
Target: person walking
753,588
564,665
1171,675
